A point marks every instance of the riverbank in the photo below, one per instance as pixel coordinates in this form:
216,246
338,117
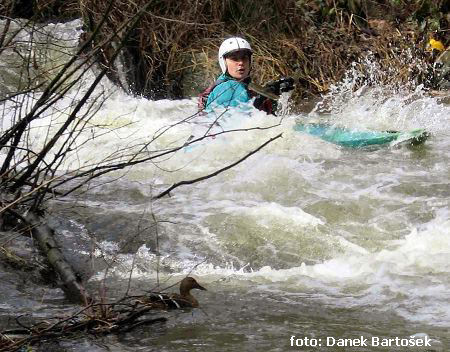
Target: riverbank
172,53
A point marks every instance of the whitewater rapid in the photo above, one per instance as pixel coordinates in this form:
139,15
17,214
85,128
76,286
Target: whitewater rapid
303,235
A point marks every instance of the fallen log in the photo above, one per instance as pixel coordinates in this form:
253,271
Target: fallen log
71,281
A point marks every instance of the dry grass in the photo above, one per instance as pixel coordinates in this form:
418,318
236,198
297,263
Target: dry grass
315,41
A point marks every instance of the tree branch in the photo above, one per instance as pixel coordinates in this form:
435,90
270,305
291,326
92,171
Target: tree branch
189,182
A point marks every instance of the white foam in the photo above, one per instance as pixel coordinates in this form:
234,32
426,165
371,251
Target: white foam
266,214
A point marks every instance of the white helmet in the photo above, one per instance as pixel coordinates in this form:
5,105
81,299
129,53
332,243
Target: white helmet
228,46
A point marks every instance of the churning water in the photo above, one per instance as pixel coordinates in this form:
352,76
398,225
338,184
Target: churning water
303,238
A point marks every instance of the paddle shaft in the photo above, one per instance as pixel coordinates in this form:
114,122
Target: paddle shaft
263,91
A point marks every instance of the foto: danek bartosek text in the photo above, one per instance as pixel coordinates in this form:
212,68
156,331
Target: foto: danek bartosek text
373,341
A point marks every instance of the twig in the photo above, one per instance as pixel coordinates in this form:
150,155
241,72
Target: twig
176,185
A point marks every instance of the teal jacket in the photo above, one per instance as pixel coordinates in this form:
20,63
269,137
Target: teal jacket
227,93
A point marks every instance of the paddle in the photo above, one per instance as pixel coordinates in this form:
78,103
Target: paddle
263,91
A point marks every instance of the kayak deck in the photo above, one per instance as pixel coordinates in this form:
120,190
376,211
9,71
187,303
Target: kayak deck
357,139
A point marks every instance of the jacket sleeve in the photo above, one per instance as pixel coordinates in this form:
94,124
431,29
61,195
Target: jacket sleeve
265,104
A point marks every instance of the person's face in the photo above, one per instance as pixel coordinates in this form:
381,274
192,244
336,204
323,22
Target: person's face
238,64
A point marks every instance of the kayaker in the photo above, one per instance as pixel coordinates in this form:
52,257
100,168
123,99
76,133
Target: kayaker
231,87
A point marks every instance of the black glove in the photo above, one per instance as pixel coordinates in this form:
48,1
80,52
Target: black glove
284,84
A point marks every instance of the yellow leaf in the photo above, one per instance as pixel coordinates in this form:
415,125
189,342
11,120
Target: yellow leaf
436,44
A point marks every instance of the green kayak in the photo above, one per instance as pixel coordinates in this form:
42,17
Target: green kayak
357,139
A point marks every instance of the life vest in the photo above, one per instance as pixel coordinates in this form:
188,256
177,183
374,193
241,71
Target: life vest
203,96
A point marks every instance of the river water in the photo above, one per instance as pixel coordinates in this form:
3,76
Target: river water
304,238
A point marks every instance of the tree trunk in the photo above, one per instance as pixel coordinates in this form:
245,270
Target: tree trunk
71,282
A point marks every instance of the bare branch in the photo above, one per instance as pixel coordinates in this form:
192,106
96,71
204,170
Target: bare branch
176,185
